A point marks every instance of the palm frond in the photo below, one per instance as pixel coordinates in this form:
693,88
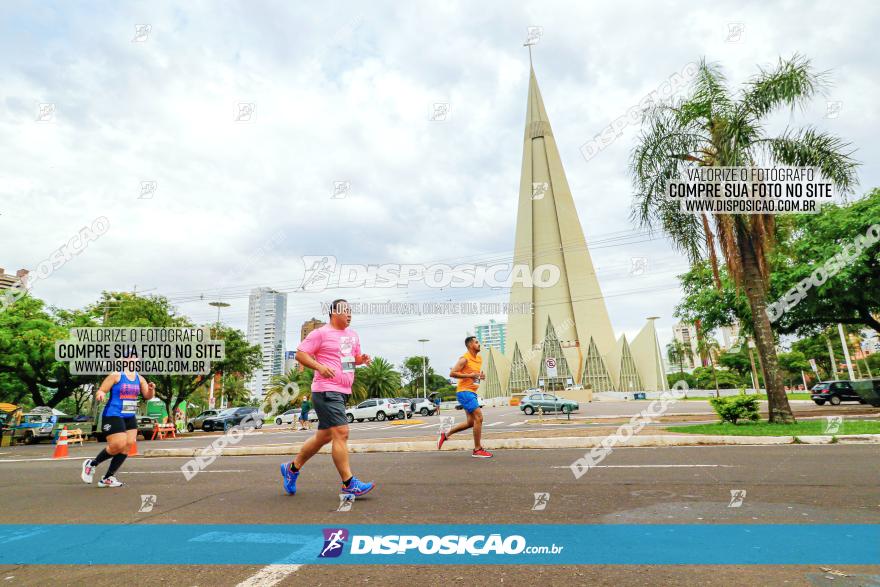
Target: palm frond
791,83
808,147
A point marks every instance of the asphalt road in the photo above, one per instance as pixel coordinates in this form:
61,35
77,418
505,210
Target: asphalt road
783,484
503,420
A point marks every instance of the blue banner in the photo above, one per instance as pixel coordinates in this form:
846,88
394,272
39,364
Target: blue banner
472,544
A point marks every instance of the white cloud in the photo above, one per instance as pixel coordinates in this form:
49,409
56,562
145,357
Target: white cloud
345,94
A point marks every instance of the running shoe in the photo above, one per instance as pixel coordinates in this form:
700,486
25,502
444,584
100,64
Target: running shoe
288,478
357,488
441,440
110,482
88,471
481,453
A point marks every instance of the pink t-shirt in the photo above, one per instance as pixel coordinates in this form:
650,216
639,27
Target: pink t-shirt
332,347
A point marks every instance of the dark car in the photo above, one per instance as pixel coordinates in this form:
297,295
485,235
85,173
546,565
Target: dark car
146,424
834,392
232,417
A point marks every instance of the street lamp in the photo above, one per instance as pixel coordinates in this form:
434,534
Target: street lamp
217,305
424,368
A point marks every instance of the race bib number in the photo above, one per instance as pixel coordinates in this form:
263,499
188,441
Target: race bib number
348,364
129,406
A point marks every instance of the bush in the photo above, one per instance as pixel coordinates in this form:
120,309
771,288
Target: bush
735,408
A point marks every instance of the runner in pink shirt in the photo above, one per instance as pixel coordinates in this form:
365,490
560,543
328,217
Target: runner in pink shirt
332,351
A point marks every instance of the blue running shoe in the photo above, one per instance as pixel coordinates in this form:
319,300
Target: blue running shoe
358,488
289,478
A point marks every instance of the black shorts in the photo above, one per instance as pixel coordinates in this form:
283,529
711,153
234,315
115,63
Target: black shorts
116,424
330,407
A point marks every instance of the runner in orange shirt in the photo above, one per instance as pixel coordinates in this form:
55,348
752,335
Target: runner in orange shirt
469,371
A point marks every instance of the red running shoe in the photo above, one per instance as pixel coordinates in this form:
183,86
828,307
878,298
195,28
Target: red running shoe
441,440
481,453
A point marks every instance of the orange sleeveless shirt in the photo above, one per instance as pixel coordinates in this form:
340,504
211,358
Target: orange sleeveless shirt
474,365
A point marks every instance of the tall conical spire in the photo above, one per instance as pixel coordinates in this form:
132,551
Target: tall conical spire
548,233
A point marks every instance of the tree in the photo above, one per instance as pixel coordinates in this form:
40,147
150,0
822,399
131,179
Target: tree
289,389
706,378
27,354
713,307
709,128
708,347
793,364
411,373
676,351
737,360
807,242
378,379
129,310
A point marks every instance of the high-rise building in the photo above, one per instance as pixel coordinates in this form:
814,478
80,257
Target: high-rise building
8,280
290,362
308,326
687,335
729,336
267,318
492,334
567,341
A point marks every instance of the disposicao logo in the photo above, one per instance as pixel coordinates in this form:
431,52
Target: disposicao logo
334,542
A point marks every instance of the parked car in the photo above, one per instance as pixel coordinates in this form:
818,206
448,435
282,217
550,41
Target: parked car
197,422
834,392
868,390
288,417
377,409
233,417
146,424
547,402
423,406
34,427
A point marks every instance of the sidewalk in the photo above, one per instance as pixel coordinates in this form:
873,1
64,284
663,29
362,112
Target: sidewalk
564,439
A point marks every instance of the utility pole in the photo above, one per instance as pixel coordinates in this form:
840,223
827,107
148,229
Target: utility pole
831,355
849,367
424,368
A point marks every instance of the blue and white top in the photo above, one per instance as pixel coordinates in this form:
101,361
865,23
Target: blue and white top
124,397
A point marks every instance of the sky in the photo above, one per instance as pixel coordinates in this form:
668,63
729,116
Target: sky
133,112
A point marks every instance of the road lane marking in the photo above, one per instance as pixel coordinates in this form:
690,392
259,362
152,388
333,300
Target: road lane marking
517,424
493,424
82,458
644,466
178,471
269,576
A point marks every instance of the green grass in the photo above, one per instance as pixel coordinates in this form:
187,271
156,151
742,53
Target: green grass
802,428
761,397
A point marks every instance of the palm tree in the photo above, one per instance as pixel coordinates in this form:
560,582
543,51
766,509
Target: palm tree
708,346
676,351
712,127
234,389
285,390
378,379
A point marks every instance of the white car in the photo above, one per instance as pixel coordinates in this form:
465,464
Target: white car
423,406
288,417
377,409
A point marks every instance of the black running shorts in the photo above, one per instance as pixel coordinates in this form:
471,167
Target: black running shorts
330,407
116,424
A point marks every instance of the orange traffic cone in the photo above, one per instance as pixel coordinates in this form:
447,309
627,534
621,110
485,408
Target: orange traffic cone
61,445
133,449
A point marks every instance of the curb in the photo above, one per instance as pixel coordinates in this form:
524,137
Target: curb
522,443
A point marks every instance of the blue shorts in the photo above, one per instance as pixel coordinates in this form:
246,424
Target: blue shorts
468,401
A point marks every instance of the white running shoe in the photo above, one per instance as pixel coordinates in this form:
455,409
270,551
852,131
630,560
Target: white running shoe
88,471
110,482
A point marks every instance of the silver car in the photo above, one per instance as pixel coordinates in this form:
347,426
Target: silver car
196,423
